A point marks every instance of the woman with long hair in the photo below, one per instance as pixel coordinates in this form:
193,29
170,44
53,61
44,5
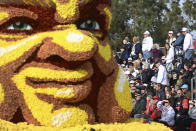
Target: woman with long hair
136,49
171,39
169,53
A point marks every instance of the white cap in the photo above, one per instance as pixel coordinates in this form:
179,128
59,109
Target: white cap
163,57
154,79
122,65
129,58
127,72
184,29
146,33
145,85
132,82
170,32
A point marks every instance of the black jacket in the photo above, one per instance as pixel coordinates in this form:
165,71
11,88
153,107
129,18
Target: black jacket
127,48
181,103
138,49
146,76
140,107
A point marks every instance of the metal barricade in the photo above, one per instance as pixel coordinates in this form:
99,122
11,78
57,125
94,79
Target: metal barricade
193,88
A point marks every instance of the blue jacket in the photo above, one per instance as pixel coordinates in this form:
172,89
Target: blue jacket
138,48
127,48
179,41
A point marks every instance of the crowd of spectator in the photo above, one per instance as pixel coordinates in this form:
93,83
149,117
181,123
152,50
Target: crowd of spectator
160,81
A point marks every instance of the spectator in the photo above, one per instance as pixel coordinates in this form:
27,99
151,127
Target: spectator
182,107
148,101
188,44
130,63
178,45
132,83
156,52
131,75
192,111
137,48
116,57
152,109
140,56
169,96
187,74
147,45
176,66
133,92
143,92
147,73
127,46
139,108
124,55
169,56
186,92
171,39
153,81
162,77
167,112
150,61
147,111
159,92
136,66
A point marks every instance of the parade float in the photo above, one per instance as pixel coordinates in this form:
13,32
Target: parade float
57,71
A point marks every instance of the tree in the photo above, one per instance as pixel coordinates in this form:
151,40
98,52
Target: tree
174,18
119,26
148,15
189,9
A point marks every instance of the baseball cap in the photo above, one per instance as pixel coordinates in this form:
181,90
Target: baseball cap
130,59
146,33
132,82
156,97
184,29
163,57
127,72
170,32
185,86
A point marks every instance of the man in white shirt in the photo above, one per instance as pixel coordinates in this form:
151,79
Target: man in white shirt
162,76
147,45
168,113
188,44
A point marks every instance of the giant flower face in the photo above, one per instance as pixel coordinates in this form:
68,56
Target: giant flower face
56,66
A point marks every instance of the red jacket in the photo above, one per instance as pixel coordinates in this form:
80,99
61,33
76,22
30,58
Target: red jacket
147,105
195,44
154,112
182,106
